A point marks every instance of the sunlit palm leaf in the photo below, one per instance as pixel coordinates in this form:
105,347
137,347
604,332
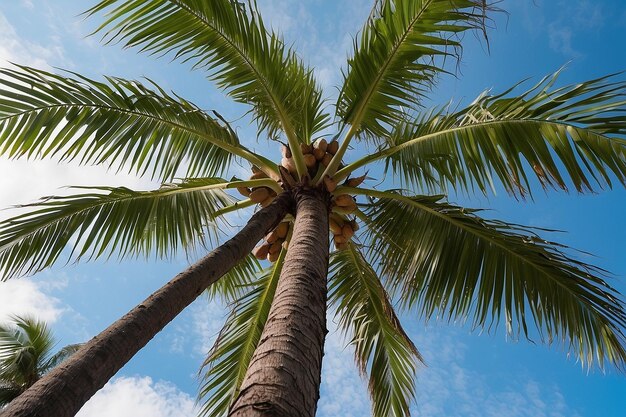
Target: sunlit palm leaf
228,360
446,261
382,348
572,135
109,220
398,57
118,123
230,40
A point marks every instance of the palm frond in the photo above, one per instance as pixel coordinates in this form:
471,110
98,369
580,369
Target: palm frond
120,123
227,362
59,357
447,262
401,51
568,135
24,345
232,285
382,348
108,220
230,40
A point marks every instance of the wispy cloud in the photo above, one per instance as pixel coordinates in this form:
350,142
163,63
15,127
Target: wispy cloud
139,397
26,297
572,19
13,48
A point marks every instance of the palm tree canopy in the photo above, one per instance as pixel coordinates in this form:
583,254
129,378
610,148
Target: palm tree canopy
26,353
406,245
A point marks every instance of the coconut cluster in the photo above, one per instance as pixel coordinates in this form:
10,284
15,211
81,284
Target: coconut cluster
259,195
342,230
317,157
320,152
273,242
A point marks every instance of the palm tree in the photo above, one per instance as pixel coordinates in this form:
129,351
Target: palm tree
26,355
403,246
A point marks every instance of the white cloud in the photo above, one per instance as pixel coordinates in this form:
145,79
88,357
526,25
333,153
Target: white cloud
25,297
139,397
23,181
561,39
447,387
208,320
18,50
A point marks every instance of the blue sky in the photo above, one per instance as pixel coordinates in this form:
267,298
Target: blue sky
468,374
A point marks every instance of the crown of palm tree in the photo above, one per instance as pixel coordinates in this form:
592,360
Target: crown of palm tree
408,244
26,355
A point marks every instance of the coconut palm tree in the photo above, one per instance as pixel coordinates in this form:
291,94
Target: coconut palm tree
403,246
26,355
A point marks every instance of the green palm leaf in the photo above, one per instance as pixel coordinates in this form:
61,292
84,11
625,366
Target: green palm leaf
110,220
59,357
447,261
568,135
235,282
230,40
382,348
23,348
228,360
117,123
399,55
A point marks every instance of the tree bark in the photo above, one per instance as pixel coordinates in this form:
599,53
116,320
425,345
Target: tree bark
63,391
284,375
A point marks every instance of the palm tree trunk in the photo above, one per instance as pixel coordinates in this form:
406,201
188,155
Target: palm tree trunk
284,375
63,391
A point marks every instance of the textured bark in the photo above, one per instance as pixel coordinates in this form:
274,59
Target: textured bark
63,391
284,375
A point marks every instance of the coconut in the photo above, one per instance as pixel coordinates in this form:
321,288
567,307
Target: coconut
349,209
334,226
333,147
258,175
319,154
310,161
339,239
326,159
341,246
330,184
306,148
259,194
260,252
282,229
273,257
343,200
271,237
276,247
347,231
244,191
321,144
289,164
355,182
267,201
